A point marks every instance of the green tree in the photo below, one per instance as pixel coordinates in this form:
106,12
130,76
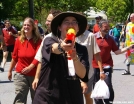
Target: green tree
6,8
130,6
115,9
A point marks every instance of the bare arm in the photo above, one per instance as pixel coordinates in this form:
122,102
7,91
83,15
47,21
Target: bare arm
12,65
55,48
99,61
37,75
28,69
15,35
3,45
120,51
79,67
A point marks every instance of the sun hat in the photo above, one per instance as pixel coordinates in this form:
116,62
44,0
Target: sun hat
81,19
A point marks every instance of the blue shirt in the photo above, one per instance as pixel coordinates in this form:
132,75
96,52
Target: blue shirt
116,32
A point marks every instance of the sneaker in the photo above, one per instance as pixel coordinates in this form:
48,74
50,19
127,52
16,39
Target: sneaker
126,73
2,69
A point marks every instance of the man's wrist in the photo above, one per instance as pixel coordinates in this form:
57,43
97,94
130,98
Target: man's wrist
60,48
75,59
101,72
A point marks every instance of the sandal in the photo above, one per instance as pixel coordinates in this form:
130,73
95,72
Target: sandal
126,73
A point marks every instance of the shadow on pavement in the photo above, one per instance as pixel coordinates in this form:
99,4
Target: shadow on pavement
118,69
6,81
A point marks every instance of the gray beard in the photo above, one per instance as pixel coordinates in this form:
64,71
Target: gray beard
104,32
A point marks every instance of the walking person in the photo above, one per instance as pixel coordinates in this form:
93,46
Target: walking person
9,34
2,44
96,26
124,33
106,44
26,46
60,87
52,14
38,56
129,38
116,34
88,39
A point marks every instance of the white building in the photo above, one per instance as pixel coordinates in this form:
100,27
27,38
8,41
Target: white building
91,14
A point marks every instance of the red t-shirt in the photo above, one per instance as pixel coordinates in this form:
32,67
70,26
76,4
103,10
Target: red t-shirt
96,28
24,54
9,39
106,45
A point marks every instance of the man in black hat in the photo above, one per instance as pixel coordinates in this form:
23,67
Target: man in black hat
59,79
96,26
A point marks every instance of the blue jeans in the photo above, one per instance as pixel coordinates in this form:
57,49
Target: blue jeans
108,81
117,41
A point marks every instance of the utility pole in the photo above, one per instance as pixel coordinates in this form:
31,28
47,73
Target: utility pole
1,9
133,6
31,9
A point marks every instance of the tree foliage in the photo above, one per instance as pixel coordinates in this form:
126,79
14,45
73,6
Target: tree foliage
116,10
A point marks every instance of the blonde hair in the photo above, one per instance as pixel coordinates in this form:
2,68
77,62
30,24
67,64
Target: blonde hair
35,32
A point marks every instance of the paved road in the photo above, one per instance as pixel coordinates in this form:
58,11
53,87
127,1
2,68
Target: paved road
123,85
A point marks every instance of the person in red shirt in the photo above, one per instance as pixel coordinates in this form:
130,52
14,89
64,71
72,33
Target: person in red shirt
106,44
26,46
96,26
9,34
2,44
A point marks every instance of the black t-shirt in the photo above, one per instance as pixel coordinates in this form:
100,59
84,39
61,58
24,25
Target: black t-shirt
53,86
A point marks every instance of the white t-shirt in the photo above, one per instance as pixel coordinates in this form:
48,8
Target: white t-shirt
38,55
88,40
71,70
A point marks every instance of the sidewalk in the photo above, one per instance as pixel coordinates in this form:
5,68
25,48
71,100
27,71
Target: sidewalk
123,84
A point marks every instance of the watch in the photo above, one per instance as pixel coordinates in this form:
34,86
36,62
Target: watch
59,48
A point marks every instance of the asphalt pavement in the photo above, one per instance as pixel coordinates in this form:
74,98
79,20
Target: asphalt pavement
123,84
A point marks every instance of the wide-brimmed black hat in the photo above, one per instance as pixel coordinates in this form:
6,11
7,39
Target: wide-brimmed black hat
81,19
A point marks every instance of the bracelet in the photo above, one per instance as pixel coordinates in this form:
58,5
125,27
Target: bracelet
102,72
76,59
60,48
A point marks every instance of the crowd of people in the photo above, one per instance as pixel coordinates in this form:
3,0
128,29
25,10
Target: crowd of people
41,64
